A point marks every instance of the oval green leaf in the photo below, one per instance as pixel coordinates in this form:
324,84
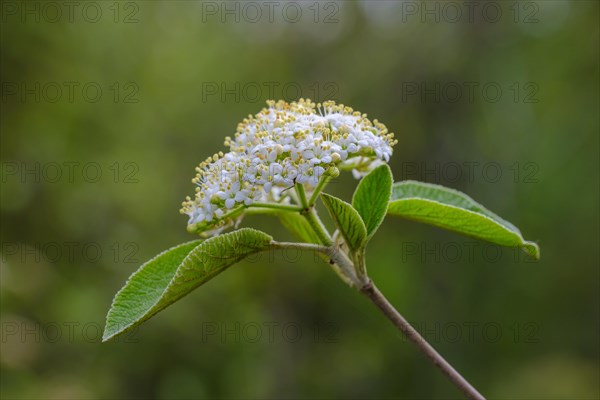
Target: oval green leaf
372,197
347,220
455,211
175,273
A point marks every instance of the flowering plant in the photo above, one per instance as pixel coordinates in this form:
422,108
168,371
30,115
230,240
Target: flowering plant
279,162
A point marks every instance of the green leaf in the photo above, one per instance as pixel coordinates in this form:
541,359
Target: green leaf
372,197
176,272
347,220
453,210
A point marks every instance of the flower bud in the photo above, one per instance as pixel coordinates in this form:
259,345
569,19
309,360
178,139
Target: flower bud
333,172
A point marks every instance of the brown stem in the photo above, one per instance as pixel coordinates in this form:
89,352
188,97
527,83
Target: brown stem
371,291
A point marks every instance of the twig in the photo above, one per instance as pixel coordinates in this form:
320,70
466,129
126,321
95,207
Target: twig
371,291
368,288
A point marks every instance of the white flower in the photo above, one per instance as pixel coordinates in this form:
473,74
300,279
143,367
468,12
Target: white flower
283,145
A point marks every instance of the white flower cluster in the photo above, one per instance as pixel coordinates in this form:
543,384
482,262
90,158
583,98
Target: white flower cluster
283,145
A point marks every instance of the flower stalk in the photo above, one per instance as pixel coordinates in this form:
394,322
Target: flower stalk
315,194
277,206
310,214
301,195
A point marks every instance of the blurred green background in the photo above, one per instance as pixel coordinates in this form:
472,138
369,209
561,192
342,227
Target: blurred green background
107,108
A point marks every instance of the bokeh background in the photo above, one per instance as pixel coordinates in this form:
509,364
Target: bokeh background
107,108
